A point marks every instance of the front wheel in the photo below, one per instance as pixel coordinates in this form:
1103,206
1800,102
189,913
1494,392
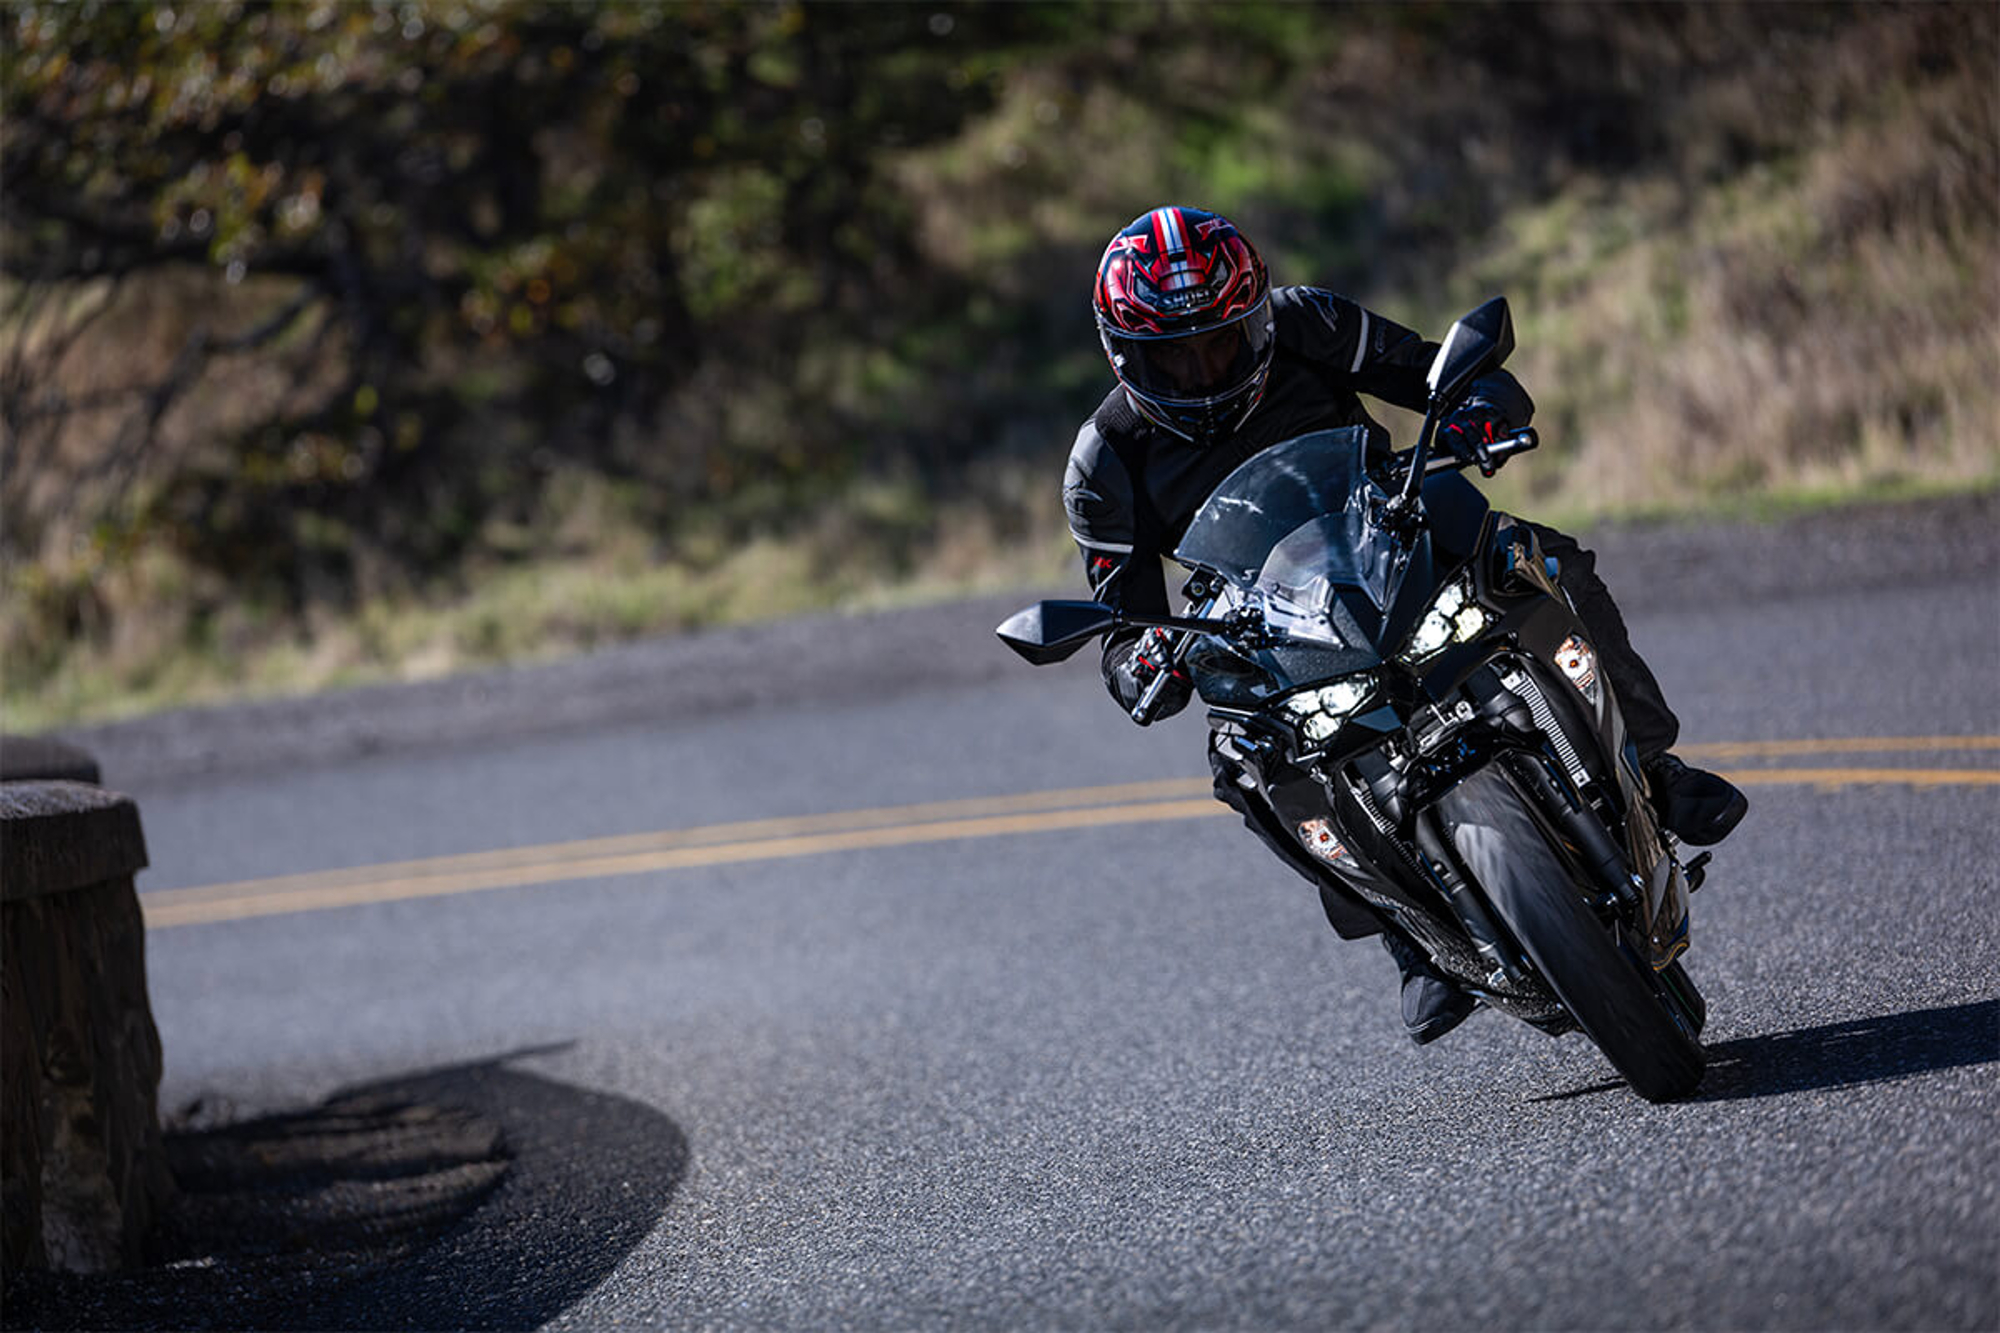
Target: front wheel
1598,981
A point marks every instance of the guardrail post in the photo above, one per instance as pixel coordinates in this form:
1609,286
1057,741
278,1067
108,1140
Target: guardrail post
83,1174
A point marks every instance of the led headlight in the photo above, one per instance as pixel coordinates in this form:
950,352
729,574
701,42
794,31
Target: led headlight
1319,712
1453,617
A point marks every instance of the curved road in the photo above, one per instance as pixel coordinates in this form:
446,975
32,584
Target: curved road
849,974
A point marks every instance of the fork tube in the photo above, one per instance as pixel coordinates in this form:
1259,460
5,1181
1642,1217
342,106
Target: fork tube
1469,907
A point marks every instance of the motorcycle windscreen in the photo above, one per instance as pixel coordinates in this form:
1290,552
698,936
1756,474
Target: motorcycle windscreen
1293,523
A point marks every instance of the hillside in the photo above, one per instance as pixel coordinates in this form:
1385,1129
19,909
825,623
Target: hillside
347,342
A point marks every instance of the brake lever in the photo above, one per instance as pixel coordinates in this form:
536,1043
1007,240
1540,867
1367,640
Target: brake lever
1149,699
1245,627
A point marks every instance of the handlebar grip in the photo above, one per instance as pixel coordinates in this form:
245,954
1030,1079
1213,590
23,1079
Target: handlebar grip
1496,453
1142,712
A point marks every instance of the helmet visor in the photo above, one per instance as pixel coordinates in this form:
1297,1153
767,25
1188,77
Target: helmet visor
1196,367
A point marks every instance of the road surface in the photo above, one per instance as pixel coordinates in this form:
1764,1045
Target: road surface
850,974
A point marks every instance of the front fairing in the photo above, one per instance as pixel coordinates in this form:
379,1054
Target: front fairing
1296,534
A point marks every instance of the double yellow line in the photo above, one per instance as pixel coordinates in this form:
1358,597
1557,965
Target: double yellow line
1726,751
681,849
901,826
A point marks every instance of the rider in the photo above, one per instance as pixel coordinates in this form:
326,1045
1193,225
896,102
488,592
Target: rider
1214,364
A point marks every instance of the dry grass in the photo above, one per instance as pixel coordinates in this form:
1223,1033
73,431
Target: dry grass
1824,323
617,588
1801,301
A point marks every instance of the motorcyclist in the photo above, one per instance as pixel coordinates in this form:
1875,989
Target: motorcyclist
1214,364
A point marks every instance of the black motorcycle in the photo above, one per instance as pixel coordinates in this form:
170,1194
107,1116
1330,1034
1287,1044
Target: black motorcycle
1392,665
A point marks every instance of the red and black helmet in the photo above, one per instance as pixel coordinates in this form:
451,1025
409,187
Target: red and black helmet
1184,309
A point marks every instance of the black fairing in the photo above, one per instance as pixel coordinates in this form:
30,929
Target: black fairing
1298,531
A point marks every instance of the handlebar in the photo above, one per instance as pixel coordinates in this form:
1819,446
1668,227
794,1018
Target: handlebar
1520,442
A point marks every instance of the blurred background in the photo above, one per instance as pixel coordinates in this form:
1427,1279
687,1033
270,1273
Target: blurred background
360,341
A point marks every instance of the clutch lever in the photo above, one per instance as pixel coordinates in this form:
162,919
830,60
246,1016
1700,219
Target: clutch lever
1244,626
1149,700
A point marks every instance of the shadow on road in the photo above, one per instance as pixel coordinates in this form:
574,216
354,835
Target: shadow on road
1841,1055
1867,1050
471,1197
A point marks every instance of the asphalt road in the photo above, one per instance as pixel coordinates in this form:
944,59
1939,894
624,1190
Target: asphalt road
966,1032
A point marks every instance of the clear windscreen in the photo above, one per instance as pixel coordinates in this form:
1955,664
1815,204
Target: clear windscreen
1292,523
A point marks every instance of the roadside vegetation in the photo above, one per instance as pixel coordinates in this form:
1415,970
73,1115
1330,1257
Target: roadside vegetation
343,342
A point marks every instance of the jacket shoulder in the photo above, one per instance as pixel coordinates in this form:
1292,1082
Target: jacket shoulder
1097,490
1321,326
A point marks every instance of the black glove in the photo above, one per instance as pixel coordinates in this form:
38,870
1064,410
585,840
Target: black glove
1471,430
1131,666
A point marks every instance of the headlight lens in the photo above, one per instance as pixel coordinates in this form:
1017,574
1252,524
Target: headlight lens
1320,711
1453,617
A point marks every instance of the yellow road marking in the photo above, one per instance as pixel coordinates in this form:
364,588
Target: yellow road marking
1854,777
1856,745
746,831
895,826
229,902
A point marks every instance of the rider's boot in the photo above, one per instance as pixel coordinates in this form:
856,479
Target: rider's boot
1432,1006
1697,806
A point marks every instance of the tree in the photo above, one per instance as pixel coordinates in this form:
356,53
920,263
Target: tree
462,243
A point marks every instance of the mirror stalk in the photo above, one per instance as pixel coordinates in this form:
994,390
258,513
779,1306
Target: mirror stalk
1405,511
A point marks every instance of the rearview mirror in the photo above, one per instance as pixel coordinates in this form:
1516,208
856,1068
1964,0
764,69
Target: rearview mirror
1051,631
1476,345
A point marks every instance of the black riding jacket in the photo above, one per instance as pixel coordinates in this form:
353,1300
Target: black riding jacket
1133,487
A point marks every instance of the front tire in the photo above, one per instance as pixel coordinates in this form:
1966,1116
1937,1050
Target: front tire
1503,847
1680,993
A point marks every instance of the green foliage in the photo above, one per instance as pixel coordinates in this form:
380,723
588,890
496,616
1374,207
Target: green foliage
312,308
546,214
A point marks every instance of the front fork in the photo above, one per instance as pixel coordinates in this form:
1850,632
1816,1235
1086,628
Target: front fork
1648,909
1653,904
1573,829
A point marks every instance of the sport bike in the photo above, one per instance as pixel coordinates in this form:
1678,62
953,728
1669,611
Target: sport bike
1403,684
